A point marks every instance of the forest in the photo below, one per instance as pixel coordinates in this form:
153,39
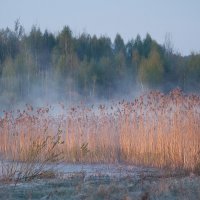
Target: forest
65,66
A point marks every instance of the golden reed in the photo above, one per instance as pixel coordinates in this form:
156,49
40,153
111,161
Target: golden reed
156,129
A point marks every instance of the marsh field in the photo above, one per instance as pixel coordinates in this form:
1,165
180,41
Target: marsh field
148,148
99,100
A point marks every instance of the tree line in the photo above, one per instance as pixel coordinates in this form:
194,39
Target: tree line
88,65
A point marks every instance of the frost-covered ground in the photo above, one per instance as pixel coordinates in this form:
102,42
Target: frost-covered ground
106,182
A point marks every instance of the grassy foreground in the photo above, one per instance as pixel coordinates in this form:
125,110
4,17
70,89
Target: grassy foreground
104,187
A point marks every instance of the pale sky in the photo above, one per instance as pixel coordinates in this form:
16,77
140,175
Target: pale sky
180,18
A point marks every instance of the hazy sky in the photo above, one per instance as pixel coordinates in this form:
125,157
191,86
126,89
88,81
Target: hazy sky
180,18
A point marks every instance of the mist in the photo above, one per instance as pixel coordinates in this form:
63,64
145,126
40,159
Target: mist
41,68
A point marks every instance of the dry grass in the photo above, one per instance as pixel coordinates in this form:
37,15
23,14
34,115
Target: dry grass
114,189
154,130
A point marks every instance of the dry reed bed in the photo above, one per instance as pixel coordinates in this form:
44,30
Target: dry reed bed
156,129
